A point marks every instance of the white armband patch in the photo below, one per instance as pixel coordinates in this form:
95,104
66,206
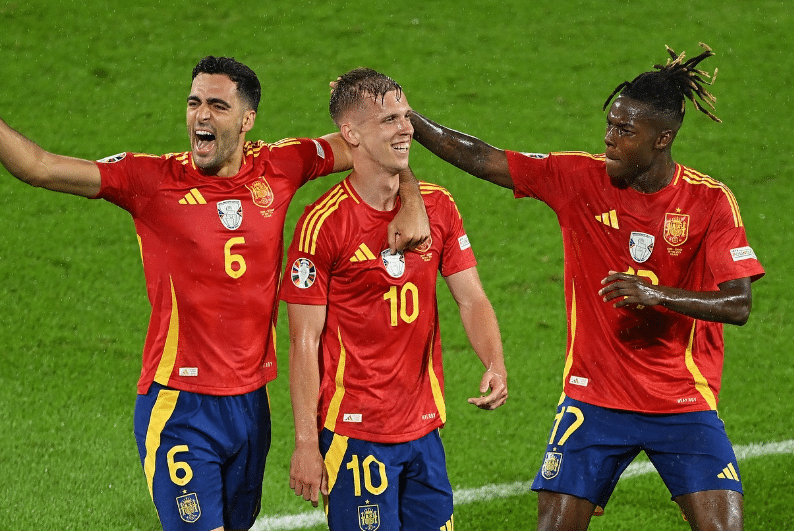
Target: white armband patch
743,253
463,241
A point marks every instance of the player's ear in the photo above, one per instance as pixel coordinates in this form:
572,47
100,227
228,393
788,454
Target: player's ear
665,138
349,134
248,121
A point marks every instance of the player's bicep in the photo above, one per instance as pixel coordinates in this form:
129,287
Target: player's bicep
343,158
466,287
306,323
68,175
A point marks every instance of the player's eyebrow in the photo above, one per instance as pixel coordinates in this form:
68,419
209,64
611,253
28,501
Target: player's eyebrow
210,101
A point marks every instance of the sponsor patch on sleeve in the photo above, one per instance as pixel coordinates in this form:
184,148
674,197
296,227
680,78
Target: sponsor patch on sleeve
463,241
320,150
114,158
743,253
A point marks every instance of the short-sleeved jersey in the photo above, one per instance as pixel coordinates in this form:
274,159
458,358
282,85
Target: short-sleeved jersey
380,352
212,250
688,235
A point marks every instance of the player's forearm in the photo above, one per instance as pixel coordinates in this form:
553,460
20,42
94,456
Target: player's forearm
482,329
468,153
304,386
31,164
729,307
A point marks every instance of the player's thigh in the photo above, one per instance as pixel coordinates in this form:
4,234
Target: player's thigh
363,483
713,509
426,500
692,453
248,418
588,449
182,469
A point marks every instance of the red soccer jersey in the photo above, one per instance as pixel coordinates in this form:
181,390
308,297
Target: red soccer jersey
380,353
212,250
688,235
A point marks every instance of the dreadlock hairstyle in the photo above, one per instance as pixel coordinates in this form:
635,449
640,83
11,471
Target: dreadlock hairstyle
667,89
355,86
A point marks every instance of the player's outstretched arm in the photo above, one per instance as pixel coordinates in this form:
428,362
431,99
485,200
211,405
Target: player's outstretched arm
37,167
482,329
731,304
468,153
307,474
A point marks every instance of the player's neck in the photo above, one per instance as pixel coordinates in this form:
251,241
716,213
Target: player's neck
378,189
656,178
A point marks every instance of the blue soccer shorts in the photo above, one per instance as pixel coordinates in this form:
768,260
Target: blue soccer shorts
203,456
590,447
388,487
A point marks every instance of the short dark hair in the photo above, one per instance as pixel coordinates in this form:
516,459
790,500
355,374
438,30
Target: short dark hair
247,83
354,86
666,89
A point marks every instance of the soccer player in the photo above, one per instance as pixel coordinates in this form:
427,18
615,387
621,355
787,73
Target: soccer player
656,260
366,376
210,226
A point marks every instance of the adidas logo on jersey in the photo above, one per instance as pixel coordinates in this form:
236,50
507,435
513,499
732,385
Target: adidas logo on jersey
609,219
729,473
362,254
193,197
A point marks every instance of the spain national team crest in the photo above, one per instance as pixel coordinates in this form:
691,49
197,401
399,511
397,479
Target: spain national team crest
368,517
188,506
394,263
676,228
231,213
641,246
261,193
303,273
551,465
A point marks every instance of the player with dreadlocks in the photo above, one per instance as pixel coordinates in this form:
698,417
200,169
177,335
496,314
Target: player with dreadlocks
656,260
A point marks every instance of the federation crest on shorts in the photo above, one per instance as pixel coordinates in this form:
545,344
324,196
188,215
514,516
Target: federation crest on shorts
641,246
188,505
551,465
368,517
303,273
394,263
261,193
231,213
676,228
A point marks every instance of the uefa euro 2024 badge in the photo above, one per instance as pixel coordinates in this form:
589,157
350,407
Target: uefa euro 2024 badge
394,263
231,213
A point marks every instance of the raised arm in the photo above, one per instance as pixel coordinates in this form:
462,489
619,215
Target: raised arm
482,329
468,153
33,165
307,474
731,304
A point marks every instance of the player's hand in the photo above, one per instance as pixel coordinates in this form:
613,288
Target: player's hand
410,228
307,474
629,290
497,383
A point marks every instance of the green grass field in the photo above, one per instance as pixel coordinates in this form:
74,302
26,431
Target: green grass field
93,79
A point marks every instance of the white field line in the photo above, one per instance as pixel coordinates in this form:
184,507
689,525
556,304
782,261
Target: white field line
505,490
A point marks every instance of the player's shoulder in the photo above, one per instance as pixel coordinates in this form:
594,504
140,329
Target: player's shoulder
702,185
337,201
434,192
284,147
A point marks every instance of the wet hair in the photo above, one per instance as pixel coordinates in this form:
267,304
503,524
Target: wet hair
667,88
247,83
355,86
